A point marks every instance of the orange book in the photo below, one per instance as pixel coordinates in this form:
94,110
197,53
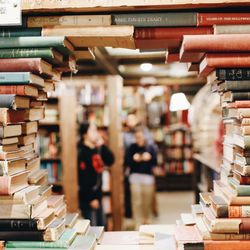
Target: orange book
23,90
227,245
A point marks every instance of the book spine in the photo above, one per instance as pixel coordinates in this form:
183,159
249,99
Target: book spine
26,53
18,225
24,236
231,29
20,65
20,32
233,74
7,101
30,42
209,19
4,185
240,96
156,19
238,211
18,90
16,78
228,245
87,20
234,85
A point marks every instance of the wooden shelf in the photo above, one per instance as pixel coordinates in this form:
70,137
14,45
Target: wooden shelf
120,6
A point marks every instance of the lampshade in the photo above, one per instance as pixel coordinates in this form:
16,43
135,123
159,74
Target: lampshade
179,101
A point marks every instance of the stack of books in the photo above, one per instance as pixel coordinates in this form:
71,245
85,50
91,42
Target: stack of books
28,65
77,234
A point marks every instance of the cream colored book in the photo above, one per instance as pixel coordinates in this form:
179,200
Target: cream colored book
112,36
71,219
45,218
54,230
24,196
23,211
82,226
75,20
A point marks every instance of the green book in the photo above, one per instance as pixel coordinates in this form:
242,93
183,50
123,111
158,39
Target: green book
241,190
170,19
48,54
86,242
63,243
59,43
17,32
20,78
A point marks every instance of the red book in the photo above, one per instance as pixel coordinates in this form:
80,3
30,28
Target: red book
23,90
227,245
192,66
238,211
241,179
169,33
216,43
209,19
232,60
239,104
171,57
34,65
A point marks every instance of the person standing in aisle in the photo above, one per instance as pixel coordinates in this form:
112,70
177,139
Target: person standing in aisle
132,122
92,157
141,158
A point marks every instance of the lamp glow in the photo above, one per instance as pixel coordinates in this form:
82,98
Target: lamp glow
179,101
146,67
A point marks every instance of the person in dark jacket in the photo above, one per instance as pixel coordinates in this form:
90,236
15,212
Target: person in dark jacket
141,158
93,155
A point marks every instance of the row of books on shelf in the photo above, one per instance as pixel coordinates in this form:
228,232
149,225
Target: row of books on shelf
50,147
178,138
179,167
178,153
156,19
54,169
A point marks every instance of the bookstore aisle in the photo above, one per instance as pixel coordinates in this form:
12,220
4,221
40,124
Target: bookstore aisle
125,125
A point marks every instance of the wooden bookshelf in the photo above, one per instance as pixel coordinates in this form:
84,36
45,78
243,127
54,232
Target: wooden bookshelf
67,159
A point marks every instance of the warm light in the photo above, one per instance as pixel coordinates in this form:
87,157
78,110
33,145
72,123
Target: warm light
179,101
146,67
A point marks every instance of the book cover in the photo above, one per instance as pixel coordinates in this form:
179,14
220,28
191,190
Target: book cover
75,20
22,90
241,190
155,19
212,61
234,86
34,65
231,29
239,211
57,42
209,19
17,32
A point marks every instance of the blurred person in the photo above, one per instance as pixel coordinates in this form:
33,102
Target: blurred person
92,156
141,158
131,124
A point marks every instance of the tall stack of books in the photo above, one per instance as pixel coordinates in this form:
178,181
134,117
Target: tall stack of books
223,217
29,211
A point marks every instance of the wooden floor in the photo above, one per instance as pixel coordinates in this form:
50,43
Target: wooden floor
170,206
